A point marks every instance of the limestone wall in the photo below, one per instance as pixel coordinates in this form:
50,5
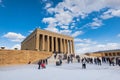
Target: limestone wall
9,57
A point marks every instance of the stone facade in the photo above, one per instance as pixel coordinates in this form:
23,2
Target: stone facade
108,53
42,40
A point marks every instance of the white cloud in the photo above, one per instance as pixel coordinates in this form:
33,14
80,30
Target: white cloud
77,33
18,46
107,46
78,40
110,13
64,27
85,47
106,16
80,45
52,29
65,11
88,41
96,23
64,18
48,5
30,31
116,13
49,20
72,27
113,4
65,32
15,37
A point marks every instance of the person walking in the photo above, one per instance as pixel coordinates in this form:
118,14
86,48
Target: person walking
68,59
39,64
83,63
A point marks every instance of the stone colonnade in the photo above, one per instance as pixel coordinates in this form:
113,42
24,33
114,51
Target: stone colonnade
54,44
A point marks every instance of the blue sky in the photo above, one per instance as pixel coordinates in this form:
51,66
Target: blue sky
94,24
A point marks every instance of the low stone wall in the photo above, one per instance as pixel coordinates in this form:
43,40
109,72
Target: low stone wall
9,57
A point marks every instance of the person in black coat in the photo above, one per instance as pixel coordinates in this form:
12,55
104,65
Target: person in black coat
39,64
68,59
119,61
84,63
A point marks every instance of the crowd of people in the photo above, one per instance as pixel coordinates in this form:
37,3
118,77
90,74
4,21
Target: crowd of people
112,61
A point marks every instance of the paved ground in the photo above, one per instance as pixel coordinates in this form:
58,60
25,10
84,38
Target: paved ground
72,71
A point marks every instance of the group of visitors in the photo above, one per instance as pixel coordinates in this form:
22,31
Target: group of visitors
112,61
70,59
42,64
63,57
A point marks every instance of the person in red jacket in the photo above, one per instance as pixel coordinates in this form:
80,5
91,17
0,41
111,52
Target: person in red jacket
43,65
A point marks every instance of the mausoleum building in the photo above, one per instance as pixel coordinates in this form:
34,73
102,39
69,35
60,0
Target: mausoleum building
43,40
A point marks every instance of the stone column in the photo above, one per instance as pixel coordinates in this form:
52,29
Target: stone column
64,49
37,42
61,45
66,46
52,44
69,50
73,47
43,42
56,41
48,44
